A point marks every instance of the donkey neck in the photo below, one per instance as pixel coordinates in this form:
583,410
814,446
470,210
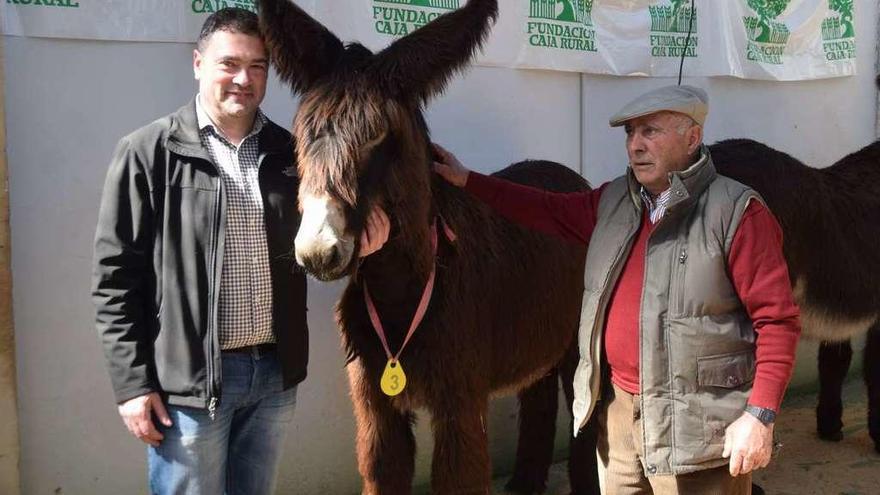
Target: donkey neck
397,276
403,265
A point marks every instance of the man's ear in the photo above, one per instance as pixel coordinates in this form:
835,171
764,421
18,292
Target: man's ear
197,63
695,138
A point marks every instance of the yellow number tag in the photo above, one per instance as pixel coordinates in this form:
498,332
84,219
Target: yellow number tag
393,378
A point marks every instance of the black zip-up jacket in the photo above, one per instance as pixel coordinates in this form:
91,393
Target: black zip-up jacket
159,254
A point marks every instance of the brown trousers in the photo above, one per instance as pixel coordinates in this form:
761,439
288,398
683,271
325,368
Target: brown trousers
620,452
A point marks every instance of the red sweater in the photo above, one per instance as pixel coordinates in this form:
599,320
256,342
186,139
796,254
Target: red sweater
756,267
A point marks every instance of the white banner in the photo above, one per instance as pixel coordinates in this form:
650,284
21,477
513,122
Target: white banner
755,39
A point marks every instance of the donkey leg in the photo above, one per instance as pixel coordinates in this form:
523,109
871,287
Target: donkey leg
386,445
538,405
834,361
461,448
871,363
583,467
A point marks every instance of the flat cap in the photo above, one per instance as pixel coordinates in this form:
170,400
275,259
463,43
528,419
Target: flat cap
691,101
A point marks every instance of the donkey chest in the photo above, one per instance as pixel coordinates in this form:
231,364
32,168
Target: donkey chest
429,361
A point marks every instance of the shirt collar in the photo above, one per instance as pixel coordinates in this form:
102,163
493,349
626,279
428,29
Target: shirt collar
652,201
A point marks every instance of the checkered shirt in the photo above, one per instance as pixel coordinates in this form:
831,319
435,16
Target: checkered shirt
245,313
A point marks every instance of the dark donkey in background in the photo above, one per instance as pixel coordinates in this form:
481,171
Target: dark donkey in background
504,309
831,222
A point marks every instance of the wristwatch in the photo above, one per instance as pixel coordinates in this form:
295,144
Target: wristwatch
764,415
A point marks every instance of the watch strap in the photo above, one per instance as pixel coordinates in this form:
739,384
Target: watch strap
764,415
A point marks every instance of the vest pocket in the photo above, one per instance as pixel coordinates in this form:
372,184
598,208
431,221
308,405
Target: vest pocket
726,370
724,381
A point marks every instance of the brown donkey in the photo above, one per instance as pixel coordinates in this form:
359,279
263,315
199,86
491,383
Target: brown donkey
831,222
504,309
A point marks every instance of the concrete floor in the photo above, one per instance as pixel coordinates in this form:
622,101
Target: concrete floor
809,466
806,465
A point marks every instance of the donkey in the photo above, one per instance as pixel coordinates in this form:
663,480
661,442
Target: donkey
498,305
831,222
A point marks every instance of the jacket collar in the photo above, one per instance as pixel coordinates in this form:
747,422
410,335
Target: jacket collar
685,185
183,136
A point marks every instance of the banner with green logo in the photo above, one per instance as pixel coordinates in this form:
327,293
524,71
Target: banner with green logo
755,39
124,20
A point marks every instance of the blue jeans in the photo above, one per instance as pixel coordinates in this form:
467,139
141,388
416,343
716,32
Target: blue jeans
238,452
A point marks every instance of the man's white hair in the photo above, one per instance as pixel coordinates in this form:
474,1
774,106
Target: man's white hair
683,122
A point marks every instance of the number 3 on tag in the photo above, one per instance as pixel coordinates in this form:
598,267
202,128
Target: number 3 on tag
393,378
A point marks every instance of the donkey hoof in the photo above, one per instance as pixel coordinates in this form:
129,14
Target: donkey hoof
830,436
757,490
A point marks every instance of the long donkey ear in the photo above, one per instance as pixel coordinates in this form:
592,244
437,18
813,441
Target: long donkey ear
302,49
421,64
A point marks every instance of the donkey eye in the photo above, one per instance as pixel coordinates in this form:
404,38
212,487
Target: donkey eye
323,134
371,143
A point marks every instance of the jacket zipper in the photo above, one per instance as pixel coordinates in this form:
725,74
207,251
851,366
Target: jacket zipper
213,393
679,280
212,407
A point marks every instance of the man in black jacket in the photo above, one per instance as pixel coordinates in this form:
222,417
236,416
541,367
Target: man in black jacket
200,305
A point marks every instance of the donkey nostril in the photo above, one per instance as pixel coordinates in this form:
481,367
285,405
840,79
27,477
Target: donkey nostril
332,258
322,263
308,262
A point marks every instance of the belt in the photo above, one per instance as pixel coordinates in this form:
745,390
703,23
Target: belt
256,351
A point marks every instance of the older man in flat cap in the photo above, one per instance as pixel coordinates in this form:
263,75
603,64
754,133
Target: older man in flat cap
688,327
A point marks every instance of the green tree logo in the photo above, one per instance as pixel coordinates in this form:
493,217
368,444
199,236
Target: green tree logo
845,9
578,11
673,18
763,29
676,6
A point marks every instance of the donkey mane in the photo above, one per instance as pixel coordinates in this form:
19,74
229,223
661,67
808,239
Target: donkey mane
336,129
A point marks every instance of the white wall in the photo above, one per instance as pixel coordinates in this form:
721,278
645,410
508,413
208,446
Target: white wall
68,102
